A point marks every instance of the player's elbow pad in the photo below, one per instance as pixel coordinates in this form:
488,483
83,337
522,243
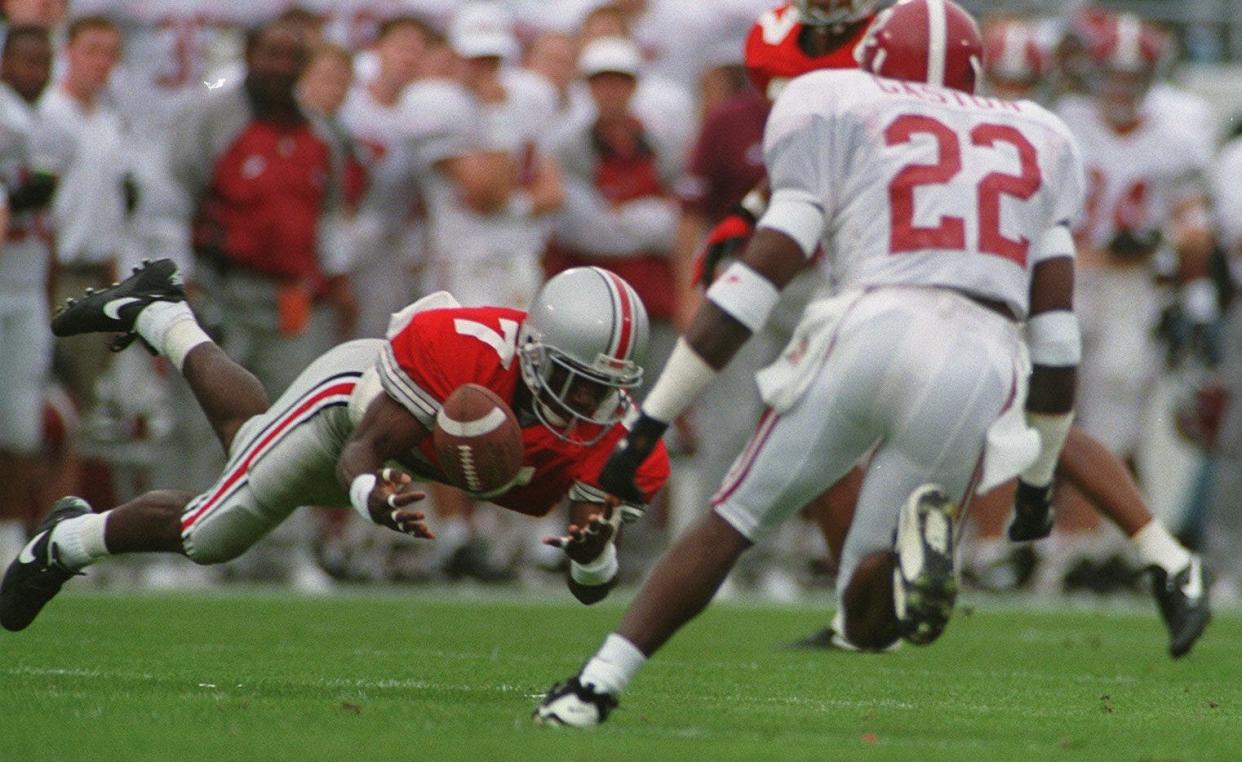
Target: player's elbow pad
1054,339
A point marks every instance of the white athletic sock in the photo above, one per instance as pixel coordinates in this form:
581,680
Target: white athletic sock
79,541
1156,547
612,667
171,328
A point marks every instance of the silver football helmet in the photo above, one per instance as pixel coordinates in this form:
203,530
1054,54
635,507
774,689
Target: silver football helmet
583,341
832,12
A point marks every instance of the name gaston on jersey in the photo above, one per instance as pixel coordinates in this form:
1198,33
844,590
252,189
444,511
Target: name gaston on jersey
945,96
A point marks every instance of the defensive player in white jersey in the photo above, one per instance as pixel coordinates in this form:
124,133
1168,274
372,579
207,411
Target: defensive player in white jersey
945,217
1144,188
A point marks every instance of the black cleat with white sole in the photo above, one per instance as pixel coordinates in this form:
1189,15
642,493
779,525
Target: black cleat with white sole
924,577
115,308
36,575
569,703
1184,605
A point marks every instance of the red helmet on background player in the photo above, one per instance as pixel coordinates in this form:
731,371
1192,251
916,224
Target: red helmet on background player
832,12
1126,53
932,41
584,339
1014,61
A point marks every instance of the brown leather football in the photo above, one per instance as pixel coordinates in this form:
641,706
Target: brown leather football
477,440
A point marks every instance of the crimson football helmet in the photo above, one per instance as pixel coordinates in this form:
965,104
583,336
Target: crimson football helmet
833,12
933,41
1013,58
583,341
1126,53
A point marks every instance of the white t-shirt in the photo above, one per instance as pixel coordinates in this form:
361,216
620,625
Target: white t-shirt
89,206
913,184
26,254
1133,179
1227,195
444,120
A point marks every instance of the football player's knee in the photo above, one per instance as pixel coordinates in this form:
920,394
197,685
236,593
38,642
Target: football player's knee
206,550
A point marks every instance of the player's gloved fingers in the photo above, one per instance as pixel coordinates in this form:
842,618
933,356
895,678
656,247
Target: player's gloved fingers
556,542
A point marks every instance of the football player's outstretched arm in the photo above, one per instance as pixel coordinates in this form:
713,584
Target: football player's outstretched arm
387,430
1055,346
590,544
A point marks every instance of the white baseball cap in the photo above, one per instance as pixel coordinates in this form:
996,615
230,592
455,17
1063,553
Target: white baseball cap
610,54
483,30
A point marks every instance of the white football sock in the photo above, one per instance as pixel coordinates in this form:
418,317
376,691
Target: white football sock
171,328
1156,547
79,541
612,667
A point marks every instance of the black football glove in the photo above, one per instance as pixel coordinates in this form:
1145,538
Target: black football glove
1134,244
1032,513
617,478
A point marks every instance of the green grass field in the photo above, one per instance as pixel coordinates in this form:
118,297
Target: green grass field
394,675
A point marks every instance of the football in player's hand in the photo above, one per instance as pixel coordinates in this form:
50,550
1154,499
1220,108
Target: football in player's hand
477,440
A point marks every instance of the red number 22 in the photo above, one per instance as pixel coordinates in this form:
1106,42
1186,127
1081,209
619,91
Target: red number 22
950,232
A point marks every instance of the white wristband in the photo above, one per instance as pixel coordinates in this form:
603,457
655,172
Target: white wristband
359,491
598,572
684,376
745,294
1054,339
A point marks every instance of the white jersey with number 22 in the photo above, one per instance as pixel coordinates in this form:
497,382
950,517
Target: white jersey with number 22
922,185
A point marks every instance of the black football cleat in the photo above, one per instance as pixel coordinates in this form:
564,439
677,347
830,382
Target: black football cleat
569,703
924,577
1183,602
1032,513
36,576
114,309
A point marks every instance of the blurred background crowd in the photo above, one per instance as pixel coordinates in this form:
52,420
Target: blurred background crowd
315,166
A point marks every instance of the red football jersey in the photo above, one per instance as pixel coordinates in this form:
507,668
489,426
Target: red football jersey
773,56
439,350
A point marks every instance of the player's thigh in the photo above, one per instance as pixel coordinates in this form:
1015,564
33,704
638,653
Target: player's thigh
935,430
794,456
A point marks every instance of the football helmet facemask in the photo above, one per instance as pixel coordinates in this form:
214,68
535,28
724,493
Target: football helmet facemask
833,12
582,344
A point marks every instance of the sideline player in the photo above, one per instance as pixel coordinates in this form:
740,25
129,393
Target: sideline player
946,218
563,367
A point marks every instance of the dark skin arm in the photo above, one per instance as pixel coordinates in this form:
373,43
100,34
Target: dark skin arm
592,526
713,333
1051,393
387,430
1052,289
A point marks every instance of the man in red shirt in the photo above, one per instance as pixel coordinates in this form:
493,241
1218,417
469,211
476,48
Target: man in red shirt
258,175
563,368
